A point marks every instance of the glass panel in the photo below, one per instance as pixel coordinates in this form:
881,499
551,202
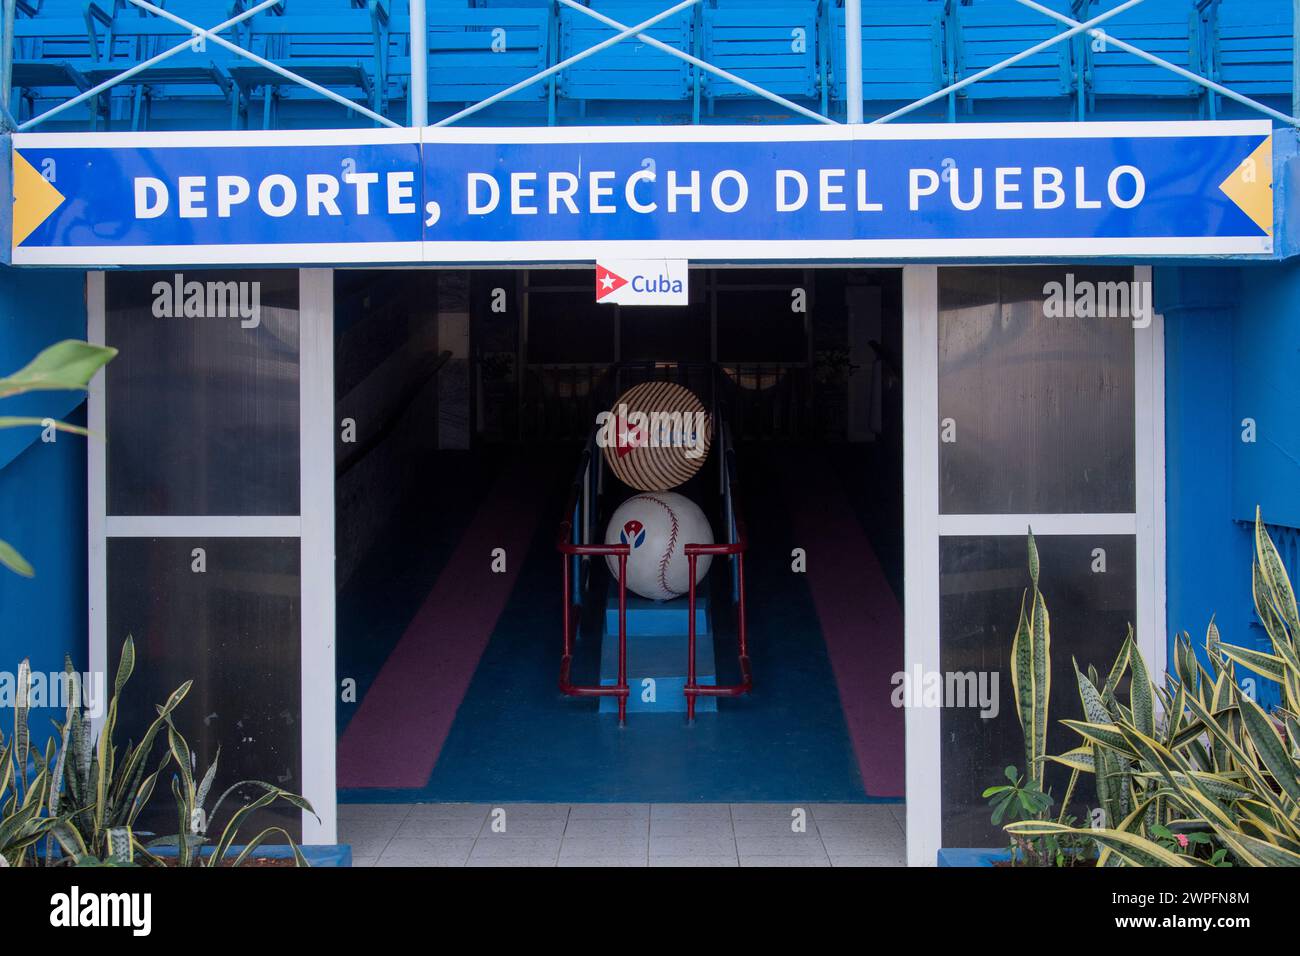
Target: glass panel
570,327
203,399
1041,406
378,313
234,630
668,333
981,583
760,325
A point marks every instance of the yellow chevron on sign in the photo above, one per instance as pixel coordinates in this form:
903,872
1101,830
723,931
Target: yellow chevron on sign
1250,186
34,198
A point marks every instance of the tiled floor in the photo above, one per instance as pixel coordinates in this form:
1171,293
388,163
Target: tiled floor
624,834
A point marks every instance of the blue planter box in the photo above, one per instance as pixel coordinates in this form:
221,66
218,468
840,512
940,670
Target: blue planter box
338,854
973,857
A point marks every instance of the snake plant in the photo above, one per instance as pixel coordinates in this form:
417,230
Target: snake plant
1031,671
81,797
23,795
1213,763
194,817
105,787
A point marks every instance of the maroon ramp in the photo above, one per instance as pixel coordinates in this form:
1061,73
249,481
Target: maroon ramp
860,618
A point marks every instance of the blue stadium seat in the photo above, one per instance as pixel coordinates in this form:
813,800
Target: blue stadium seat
1253,46
630,70
342,48
56,52
988,31
138,36
773,45
1169,29
902,50
55,49
476,52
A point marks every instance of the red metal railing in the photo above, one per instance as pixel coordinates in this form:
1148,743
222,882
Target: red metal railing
736,549
569,549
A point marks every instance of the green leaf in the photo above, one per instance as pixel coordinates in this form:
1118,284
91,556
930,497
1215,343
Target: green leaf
1224,739
66,365
1256,852
1033,559
1133,849
1094,708
24,421
125,665
1140,697
253,844
1080,758
14,561
1275,574
1117,672
1107,735
1266,665
1268,744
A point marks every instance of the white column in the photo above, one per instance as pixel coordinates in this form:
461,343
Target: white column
921,553
418,91
316,467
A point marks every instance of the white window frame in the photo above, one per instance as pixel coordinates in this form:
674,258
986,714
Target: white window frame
314,529
923,526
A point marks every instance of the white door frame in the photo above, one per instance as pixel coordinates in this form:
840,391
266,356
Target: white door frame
314,529
923,526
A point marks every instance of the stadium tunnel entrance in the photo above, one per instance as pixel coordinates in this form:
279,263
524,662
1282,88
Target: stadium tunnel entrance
473,399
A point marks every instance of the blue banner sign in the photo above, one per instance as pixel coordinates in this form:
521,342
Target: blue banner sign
702,193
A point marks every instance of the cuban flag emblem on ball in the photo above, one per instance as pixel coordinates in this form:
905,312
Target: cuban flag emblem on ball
633,533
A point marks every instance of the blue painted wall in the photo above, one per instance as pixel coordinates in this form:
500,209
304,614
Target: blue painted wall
42,485
1232,351
1267,388
1204,547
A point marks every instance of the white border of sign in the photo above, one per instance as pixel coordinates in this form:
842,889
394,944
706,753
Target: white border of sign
706,251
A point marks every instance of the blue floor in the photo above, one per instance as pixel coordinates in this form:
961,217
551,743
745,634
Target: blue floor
516,738
391,583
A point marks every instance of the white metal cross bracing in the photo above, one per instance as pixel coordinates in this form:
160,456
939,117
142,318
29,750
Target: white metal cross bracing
1165,64
703,65
203,34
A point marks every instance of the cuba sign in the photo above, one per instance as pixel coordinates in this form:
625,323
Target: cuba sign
642,282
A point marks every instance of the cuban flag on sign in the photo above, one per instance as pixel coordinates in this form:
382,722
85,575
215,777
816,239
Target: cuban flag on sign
633,534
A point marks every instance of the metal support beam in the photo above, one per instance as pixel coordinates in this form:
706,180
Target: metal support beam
706,66
1009,61
556,68
1175,68
7,53
1295,58
418,91
853,57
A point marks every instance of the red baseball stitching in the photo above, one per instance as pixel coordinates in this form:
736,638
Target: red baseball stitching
672,542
